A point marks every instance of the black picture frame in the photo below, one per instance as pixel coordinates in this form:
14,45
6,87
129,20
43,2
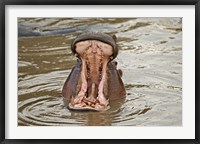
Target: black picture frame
4,3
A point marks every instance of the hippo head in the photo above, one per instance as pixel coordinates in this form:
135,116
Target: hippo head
94,81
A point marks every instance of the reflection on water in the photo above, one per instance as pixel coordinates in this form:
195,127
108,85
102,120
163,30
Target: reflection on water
150,56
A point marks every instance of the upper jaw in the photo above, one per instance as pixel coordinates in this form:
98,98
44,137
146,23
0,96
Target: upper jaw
105,38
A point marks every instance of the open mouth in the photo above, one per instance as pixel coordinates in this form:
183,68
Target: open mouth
91,91
94,82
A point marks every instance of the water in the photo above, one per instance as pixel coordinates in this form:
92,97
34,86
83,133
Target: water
150,56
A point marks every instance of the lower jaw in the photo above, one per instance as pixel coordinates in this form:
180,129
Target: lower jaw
88,103
86,106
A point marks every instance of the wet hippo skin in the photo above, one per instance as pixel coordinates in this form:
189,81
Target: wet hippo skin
94,81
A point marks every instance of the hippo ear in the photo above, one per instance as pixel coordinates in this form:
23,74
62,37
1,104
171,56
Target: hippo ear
114,37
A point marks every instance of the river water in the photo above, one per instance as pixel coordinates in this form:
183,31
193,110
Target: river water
150,55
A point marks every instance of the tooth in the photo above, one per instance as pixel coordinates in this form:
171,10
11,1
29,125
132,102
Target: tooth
72,101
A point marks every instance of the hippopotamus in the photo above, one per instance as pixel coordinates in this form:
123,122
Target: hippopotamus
95,80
